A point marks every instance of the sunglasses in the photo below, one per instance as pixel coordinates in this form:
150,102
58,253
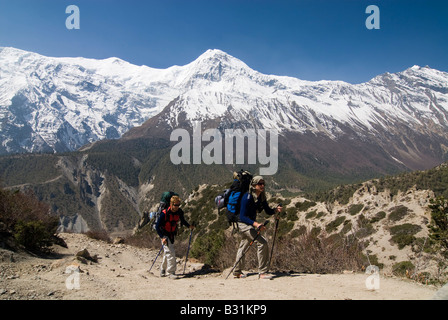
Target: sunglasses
261,183
176,205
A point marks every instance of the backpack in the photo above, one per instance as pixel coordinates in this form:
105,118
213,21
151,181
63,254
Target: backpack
222,198
231,198
163,204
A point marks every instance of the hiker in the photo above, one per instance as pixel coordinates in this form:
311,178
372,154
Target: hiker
166,228
254,200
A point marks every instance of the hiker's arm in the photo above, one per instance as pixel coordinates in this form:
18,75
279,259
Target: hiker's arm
268,209
182,220
159,224
244,209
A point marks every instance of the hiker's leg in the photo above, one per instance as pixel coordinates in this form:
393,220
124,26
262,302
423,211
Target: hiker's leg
169,258
164,262
262,254
243,246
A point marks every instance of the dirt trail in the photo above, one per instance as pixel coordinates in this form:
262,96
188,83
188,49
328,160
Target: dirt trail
122,273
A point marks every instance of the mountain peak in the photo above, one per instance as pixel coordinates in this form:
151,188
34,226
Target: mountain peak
216,57
215,54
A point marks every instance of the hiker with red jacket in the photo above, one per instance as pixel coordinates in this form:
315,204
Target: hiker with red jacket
166,228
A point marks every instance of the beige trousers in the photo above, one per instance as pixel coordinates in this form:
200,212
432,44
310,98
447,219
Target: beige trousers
248,233
169,259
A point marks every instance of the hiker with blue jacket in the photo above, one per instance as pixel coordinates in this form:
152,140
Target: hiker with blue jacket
167,228
252,202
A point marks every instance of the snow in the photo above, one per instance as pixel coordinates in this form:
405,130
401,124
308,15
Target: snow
92,95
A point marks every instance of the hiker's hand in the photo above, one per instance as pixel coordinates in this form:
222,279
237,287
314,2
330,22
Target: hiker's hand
279,209
191,227
163,240
259,226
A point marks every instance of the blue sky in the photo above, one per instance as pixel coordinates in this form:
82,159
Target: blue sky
310,40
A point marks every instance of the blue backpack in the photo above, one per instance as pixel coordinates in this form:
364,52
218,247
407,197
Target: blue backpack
239,187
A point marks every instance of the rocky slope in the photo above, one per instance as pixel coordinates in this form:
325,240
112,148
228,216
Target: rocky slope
374,218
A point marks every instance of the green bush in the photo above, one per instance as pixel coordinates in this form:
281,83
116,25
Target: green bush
400,268
355,208
332,226
303,206
439,224
311,214
27,220
284,227
291,214
398,213
33,235
379,216
207,247
403,234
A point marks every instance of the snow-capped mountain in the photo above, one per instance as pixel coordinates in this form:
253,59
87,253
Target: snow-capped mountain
218,85
402,117
61,104
331,132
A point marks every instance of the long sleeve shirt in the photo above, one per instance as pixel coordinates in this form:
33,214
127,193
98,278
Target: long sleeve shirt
160,224
248,209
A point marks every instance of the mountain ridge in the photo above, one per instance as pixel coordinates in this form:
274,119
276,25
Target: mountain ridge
330,132
105,98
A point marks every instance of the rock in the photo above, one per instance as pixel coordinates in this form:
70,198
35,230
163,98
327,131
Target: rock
118,240
84,254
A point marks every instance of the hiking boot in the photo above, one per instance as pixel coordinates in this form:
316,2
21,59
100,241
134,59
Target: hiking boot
162,273
265,276
239,276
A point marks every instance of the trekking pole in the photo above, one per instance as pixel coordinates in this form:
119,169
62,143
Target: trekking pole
247,249
275,234
156,258
188,250
273,241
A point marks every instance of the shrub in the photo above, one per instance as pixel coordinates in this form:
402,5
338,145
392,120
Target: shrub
303,206
284,227
291,214
33,235
207,247
398,213
379,216
332,226
403,234
355,208
312,253
28,220
311,214
400,268
439,224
